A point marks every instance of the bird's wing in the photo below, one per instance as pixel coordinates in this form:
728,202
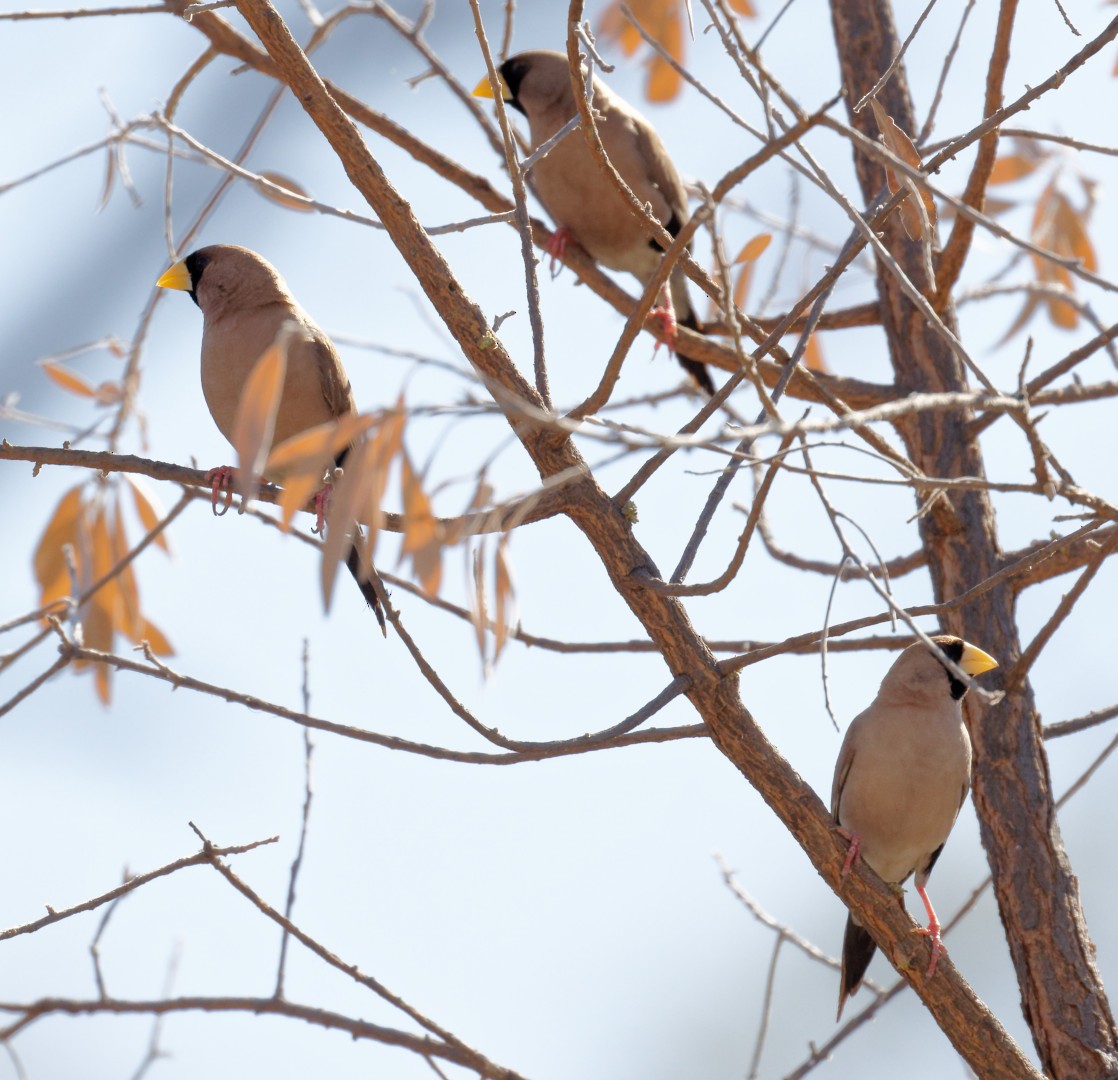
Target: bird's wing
332,378
842,771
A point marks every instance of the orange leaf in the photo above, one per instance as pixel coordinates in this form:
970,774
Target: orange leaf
156,639
422,539
419,524
282,199
505,597
1032,302
67,379
49,561
303,459
1071,235
813,355
743,7
899,144
320,443
389,442
255,422
345,500
1011,167
754,248
748,254
478,613
131,621
148,509
614,25
741,286
664,82
108,393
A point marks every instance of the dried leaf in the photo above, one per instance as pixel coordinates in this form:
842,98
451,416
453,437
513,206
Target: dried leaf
422,540
1012,167
664,82
255,422
99,615
67,379
156,639
1060,228
1032,302
813,355
49,560
899,144
754,248
389,443
1071,234
478,615
280,198
321,443
148,509
303,459
748,255
341,521
505,595
743,7
992,207
130,619
741,286
108,393
614,26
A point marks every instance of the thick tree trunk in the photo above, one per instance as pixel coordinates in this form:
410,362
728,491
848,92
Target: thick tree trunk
1038,897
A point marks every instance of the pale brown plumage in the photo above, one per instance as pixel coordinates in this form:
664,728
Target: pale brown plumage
581,198
902,775
245,303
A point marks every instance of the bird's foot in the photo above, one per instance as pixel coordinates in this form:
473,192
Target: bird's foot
938,947
853,853
221,479
556,247
932,930
664,314
322,507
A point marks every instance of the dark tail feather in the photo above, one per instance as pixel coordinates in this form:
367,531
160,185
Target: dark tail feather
695,368
353,563
857,952
366,587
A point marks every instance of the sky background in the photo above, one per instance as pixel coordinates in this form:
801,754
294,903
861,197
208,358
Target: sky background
566,918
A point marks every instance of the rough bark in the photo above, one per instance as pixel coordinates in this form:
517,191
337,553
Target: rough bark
1038,896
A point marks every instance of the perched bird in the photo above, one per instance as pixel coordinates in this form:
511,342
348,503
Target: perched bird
902,775
245,303
579,196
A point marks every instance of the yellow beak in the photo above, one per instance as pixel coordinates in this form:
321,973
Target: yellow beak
484,90
974,661
178,277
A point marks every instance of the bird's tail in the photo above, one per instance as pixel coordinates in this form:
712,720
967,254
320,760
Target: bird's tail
354,565
857,952
695,368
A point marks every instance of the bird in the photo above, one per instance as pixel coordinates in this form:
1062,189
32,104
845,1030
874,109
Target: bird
245,304
902,775
581,199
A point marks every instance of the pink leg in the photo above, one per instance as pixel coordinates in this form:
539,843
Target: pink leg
664,313
556,247
854,852
321,507
931,931
221,479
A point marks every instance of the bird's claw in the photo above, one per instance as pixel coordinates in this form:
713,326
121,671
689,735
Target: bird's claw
853,853
221,479
668,327
938,947
321,507
556,247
